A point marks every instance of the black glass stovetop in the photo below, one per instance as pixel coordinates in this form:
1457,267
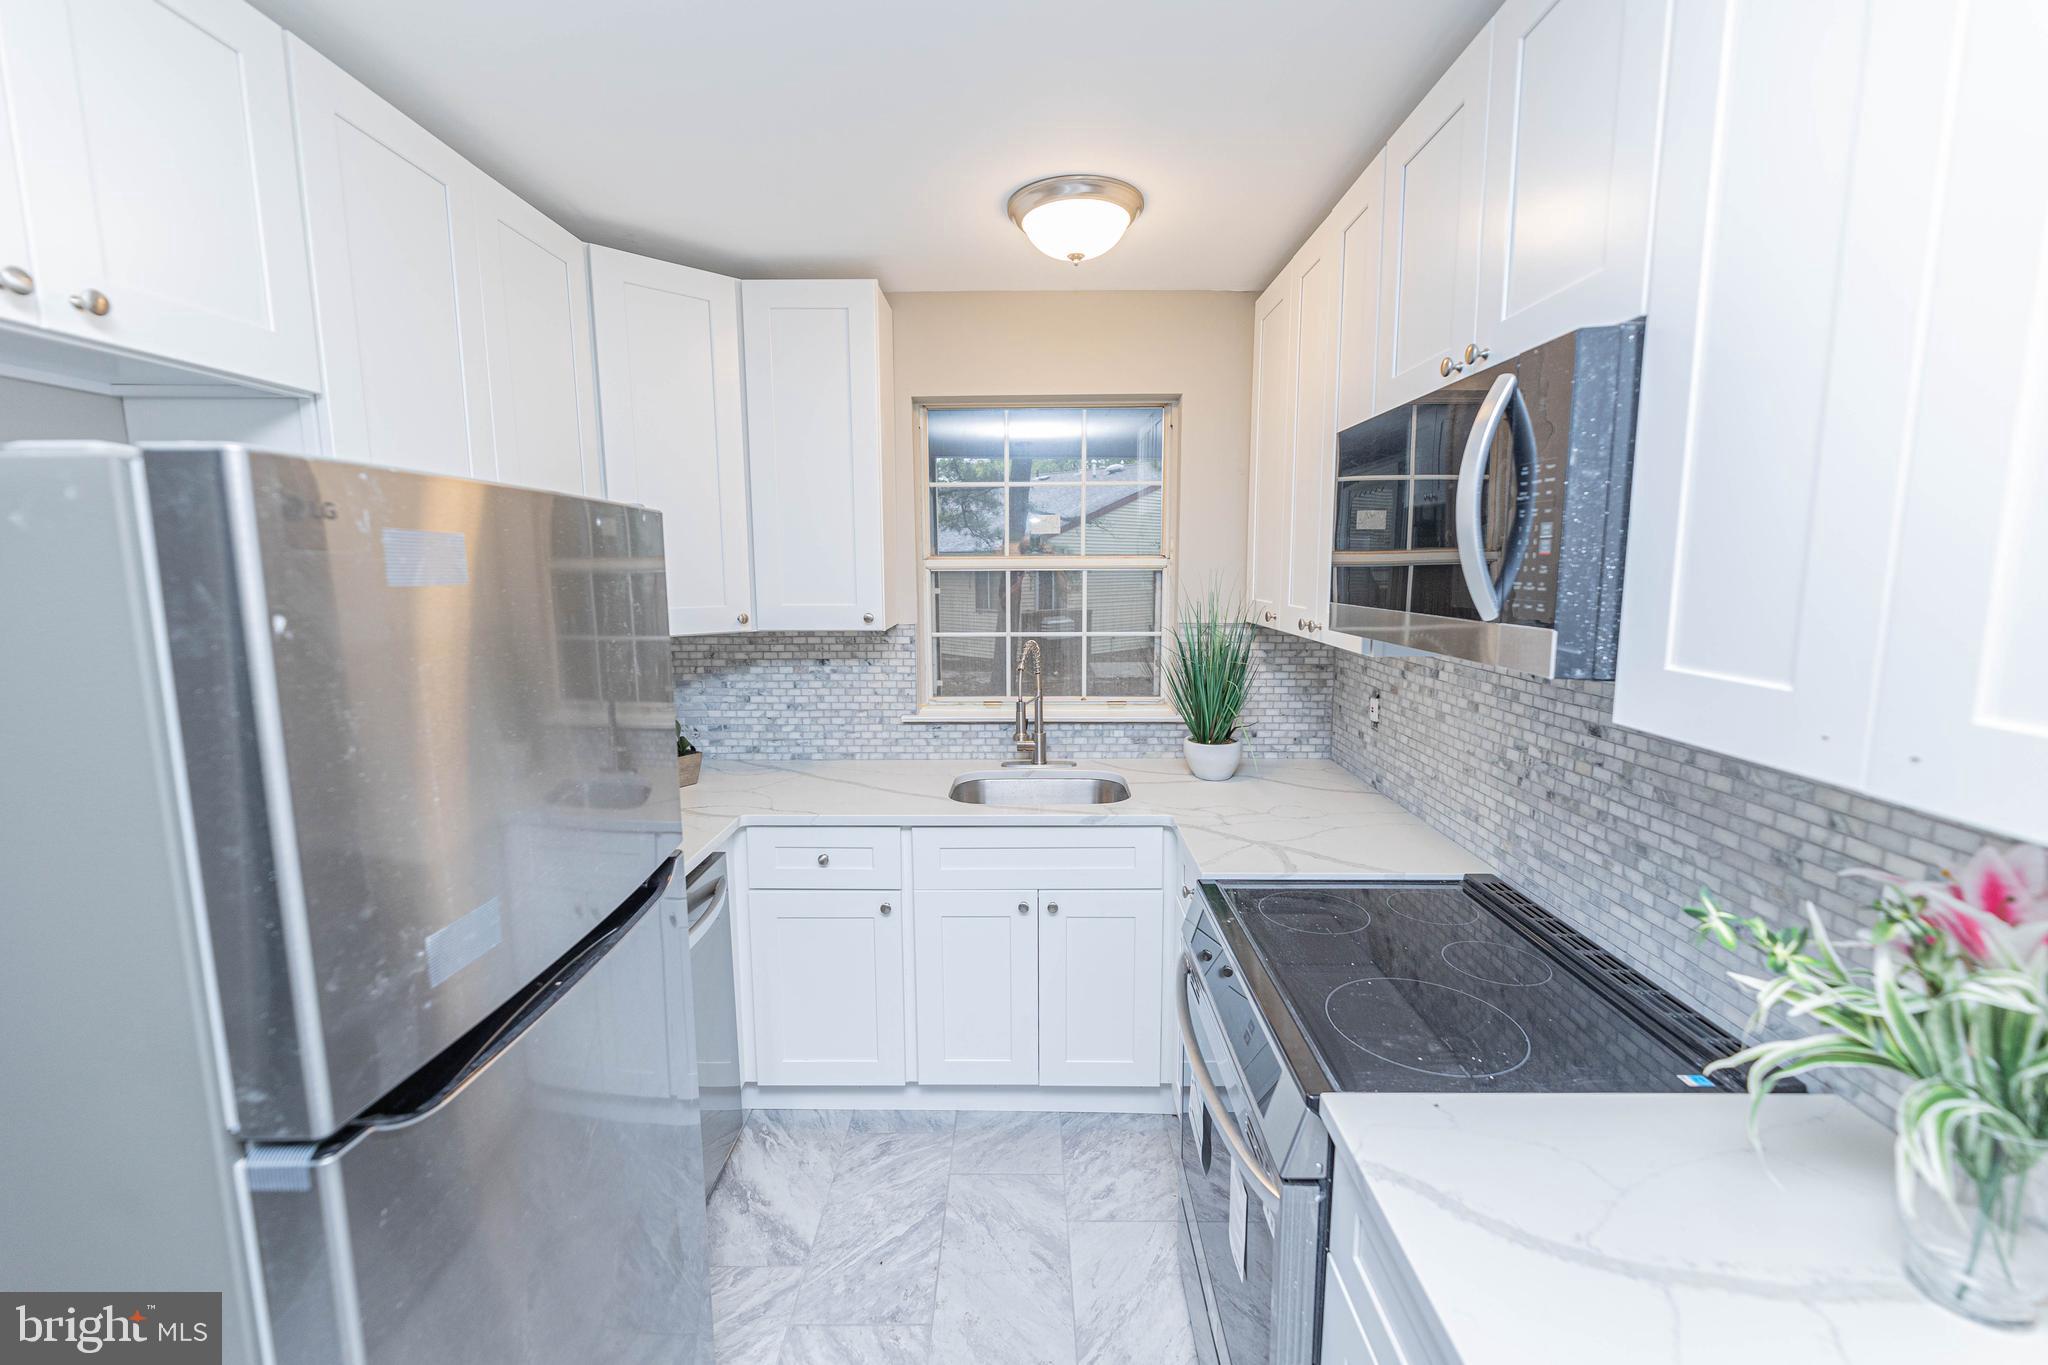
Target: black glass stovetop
1434,987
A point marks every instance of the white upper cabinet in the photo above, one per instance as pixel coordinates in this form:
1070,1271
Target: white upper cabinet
1357,222
1274,337
1962,706
1777,367
668,348
397,277
1311,476
1570,167
536,295
977,987
1429,265
161,190
19,278
819,433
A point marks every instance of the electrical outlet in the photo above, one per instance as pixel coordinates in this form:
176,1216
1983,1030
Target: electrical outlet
1372,708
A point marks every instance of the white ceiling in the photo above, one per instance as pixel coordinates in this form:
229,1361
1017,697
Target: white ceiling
883,137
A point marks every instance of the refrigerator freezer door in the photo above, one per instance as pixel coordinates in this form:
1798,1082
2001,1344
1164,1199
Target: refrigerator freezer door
428,725
550,1211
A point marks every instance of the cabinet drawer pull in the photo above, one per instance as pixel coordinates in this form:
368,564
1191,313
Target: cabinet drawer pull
15,280
1052,908
92,301
1023,907
867,618
885,907
743,618
824,860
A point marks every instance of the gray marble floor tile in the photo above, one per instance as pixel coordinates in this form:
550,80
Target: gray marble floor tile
1128,1305
857,1346
1002,1319
1120,1168
766,1208
750,1311
864,1121
876,1258
1007,1224
1007,1143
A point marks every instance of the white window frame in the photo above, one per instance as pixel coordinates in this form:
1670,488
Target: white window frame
1103,709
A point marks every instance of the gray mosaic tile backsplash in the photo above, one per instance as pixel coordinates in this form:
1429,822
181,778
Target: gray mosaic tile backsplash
844,694
1618,830
1614,829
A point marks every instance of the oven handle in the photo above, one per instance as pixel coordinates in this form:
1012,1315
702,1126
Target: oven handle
1233,1136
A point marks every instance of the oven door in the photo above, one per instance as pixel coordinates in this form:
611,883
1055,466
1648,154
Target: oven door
1231,1312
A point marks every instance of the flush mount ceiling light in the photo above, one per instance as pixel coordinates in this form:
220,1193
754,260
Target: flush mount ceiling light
1076,217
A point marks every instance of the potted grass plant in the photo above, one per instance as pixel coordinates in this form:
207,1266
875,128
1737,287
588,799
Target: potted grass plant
1949,989
1208,674
689,760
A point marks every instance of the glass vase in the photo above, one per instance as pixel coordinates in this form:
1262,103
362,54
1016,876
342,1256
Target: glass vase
1981,1248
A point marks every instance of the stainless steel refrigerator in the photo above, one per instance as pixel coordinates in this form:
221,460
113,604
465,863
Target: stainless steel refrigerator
343,972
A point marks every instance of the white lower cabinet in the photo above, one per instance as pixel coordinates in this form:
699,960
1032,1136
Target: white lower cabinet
1344,1338
1100,970
826,981
977,987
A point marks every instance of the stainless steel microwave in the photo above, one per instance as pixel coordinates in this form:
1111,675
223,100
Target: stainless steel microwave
1487,520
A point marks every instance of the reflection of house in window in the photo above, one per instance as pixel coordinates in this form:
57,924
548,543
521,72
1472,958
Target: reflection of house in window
1046,524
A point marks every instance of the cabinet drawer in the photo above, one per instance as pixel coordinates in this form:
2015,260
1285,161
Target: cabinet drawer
1047,858
811,857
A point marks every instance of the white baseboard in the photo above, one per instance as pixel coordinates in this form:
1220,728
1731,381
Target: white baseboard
1151,1099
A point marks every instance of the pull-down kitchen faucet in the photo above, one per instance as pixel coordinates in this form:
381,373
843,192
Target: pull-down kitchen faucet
1029,735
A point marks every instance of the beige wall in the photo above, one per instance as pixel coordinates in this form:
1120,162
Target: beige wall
1196,347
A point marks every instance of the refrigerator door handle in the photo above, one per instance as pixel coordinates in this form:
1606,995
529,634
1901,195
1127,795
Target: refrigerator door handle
447,1076
1503,400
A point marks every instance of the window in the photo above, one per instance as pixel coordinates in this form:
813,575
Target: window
1045,523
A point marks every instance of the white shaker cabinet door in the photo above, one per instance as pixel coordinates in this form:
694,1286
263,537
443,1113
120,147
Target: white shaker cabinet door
977,987
20,281
396,279
1571,160
1311,481
1962,708
819,432
1429,263
827,987
1274,341
1793,218
536,296
1102,968
161,186
1357,220
668,380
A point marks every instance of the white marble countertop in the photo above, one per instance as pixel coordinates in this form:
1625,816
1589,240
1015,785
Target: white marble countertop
1280,818
1639,1228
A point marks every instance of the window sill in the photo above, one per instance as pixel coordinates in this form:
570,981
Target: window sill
1071,713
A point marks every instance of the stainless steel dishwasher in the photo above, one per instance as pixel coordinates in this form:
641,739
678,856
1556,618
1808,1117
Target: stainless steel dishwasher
717,1013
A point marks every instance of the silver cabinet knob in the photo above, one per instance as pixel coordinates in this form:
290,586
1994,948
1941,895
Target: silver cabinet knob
867,618
1052,907
1448,367
92,301
743,618
824,860
1474,353
15,280
1272,616
885,907
1186,891
1023,907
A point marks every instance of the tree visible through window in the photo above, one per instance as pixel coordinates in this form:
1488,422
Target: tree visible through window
1046,523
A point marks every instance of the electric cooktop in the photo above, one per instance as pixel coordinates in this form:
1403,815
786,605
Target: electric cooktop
1466,986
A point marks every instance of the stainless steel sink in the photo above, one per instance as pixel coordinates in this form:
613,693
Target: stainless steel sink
1044,787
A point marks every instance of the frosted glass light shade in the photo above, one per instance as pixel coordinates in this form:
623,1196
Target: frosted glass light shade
1075,217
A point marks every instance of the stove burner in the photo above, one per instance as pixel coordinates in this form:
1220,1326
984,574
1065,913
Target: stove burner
1422,1026
1430,907
1503,964
1313,912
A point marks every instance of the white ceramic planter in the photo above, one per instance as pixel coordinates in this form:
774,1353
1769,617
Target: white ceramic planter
1212,762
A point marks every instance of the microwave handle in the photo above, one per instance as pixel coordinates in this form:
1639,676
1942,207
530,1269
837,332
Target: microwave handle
1503,400
1226,1123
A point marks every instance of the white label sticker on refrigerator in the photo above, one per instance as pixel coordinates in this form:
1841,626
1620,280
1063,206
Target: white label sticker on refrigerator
425,559
1240,1222
457,944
